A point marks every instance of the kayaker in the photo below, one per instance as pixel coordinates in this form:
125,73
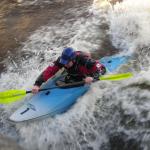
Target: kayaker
79,66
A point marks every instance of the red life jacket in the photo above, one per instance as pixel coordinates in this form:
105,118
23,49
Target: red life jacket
83,66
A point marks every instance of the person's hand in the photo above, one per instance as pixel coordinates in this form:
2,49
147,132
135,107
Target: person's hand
35,89
88,80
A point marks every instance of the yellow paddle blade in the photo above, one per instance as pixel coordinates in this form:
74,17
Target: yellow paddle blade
115,77
10,96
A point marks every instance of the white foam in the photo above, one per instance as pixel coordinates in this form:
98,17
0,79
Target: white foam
129,24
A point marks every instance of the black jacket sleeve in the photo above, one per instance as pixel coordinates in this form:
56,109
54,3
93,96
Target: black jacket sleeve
39,80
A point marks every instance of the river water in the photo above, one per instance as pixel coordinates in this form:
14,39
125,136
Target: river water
111,115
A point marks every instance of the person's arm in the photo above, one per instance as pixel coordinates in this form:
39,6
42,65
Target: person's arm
45,75
95,69
95,75
98,70
39,80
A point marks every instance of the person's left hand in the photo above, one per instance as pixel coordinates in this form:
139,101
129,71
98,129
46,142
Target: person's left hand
88,80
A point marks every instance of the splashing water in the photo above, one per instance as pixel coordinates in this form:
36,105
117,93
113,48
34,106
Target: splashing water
129,25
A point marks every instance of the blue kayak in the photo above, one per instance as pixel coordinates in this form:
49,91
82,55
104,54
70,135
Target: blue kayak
59,100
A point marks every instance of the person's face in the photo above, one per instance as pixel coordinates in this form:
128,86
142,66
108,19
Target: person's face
69,64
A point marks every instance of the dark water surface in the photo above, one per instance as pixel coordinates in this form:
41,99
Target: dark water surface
17,22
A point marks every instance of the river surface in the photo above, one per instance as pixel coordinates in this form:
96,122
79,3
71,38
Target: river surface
111,115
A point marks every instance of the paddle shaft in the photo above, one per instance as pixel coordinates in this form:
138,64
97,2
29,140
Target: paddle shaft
68,85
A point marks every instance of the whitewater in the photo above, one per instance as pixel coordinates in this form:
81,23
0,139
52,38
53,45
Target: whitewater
111,115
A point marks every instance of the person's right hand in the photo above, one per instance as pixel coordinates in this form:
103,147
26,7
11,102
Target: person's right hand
88,80
35,89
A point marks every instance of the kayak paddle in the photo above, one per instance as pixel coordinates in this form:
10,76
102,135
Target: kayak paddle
10,96
116,77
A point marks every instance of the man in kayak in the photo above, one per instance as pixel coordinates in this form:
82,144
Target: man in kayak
79,67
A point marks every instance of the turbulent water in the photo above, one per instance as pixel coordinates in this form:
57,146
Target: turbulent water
111,115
